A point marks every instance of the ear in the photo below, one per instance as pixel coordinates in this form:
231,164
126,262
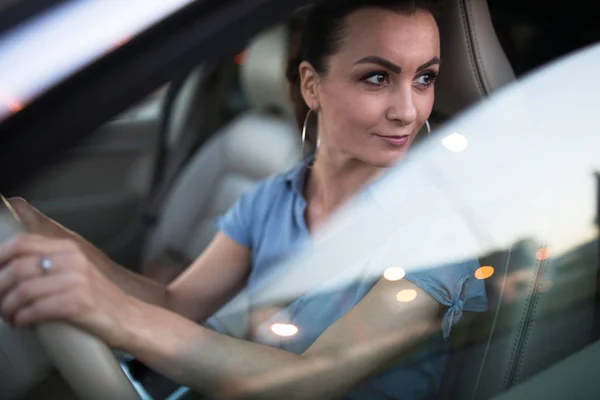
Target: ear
309,85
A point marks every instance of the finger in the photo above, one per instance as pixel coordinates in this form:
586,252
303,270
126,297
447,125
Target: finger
30,244
34,290
18,270
25,268
25,211
51,308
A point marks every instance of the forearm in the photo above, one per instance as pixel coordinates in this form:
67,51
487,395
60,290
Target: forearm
194,356
131,283
195,307
203,360
135,285
224,367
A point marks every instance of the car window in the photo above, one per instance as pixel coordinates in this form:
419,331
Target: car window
494,214
62,23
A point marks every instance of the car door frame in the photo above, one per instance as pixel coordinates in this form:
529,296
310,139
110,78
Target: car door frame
61,117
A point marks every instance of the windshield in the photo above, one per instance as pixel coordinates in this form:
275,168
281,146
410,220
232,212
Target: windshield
91,29
199,224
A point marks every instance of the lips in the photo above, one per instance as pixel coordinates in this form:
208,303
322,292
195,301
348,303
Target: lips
394,140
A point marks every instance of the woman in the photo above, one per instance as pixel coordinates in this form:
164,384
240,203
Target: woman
366,73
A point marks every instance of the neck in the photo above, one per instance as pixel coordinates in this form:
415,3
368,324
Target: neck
334,179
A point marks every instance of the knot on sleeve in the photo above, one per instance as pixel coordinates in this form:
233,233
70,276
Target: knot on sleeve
452,316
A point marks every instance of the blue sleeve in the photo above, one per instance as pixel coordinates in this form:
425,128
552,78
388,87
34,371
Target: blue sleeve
454,286
238,222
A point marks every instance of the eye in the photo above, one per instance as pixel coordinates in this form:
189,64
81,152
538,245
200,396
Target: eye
426,79
377,78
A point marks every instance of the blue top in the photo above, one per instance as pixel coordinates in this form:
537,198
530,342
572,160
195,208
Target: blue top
270,220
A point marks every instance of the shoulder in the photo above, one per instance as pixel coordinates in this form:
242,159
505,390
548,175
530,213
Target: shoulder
250,212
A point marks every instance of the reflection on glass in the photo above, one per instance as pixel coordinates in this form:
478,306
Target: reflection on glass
518,284
240,58
406,296
10,102
394,273
543,254
121,42
455,142
284,329
484,272
546,286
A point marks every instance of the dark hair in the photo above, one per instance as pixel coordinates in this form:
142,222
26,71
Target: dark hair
317,32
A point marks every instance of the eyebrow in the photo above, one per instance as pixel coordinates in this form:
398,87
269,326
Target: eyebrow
393,67
433,61
380,61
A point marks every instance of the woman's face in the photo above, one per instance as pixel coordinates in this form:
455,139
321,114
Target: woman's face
378,89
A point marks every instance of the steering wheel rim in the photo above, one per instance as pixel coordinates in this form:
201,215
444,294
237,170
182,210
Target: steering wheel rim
86,363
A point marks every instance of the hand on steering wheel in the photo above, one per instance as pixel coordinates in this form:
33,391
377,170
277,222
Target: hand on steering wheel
44,279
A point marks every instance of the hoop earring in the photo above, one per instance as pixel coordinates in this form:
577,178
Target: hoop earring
428,127
304,129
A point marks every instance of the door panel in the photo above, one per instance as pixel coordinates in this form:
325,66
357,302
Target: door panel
97,189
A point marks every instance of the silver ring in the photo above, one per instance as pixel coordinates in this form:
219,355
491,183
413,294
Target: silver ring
46,264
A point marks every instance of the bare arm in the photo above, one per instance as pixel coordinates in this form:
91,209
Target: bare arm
214,278
374,333
207,284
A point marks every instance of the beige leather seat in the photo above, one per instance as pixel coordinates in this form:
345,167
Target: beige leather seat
474,64
517,337
261,142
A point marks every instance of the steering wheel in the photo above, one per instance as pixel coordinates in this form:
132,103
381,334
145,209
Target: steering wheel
85,362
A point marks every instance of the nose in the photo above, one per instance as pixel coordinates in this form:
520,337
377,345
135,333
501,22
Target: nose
402,108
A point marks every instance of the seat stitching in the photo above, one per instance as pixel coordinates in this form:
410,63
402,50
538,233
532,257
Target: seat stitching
531,298
493,328
536,298
514,356
466,18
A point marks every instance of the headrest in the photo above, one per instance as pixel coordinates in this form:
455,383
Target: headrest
263,72
473,61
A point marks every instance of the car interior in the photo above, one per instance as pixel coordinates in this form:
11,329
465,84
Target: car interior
148,185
